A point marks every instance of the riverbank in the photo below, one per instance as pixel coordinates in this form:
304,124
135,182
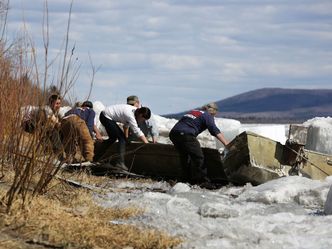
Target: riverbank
70,217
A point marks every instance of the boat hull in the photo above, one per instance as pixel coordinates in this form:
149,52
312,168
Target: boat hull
317,166
256,159
160,161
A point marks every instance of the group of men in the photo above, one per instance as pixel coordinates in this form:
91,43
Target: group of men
124,122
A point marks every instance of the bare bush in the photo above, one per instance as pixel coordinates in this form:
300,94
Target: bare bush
22,83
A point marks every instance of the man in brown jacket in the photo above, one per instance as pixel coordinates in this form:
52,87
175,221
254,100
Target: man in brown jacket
77,129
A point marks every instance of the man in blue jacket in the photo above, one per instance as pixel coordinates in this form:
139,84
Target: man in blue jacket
184,137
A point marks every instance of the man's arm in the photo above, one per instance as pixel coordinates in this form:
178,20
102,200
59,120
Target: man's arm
153,129
154,139
222,139
126,131
143,138
99,137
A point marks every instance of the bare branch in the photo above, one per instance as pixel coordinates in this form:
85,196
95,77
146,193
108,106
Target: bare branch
46,42
63,75
94,71
5,10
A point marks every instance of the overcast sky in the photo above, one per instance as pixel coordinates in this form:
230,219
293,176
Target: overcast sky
180,54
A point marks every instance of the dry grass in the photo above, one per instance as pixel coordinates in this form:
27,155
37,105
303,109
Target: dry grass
68,217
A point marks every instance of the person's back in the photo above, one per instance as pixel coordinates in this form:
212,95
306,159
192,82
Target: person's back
124,114
77,128
86,114
120,112
195,122
184,137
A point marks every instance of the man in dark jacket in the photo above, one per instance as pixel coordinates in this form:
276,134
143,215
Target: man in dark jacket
184,137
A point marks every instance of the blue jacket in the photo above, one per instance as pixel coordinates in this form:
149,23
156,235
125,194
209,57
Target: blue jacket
87,114
195,122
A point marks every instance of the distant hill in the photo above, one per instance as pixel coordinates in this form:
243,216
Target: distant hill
275,105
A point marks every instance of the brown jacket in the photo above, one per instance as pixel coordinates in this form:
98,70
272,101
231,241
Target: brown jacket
76,133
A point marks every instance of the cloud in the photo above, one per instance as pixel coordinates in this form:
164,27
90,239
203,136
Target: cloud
191,51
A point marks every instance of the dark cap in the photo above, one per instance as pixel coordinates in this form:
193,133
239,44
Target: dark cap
87,104
144,111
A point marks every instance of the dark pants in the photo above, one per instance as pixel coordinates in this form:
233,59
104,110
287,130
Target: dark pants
114,133
191,155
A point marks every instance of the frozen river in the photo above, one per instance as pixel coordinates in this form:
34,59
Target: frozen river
284,213
289,212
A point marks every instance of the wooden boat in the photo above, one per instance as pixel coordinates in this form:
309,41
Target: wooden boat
160,161
251,158
257,159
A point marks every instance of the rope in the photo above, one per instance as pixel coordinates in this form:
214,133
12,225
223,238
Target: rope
306,159
107,159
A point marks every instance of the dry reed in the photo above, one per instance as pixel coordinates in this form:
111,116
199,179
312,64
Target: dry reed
74,220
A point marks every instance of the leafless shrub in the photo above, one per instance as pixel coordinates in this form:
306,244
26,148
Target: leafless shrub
21,83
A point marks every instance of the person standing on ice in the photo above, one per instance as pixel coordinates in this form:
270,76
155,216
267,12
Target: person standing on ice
184,137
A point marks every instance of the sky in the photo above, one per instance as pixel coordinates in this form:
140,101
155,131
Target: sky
180,54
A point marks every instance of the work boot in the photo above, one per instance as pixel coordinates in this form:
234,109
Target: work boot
208,185
111,168
121,165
